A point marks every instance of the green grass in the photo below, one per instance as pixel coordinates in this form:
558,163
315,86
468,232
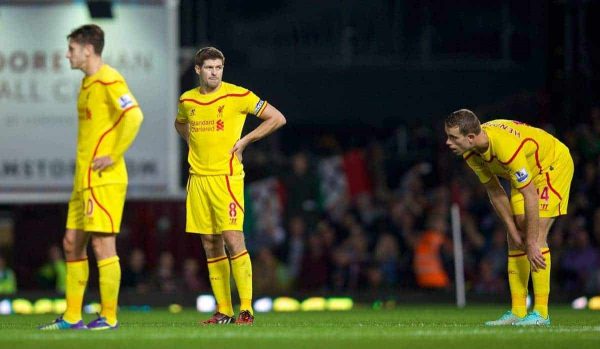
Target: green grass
417,326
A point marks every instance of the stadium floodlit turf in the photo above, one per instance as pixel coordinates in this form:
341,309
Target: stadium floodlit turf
416,326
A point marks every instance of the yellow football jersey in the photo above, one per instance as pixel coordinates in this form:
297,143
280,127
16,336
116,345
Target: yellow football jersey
216,121
109,118
517,152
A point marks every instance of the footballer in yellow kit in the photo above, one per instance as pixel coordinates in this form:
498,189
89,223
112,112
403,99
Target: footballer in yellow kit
210,119
539,168
98,197
216,183
109,119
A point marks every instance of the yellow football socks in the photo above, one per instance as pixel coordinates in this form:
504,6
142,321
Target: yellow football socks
109,270
541,285
219,273
518,279
241,267
77,277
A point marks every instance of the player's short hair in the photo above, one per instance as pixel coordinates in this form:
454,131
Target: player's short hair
208,53
466,121
89,34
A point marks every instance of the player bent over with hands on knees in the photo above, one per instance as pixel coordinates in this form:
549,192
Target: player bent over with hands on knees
539,168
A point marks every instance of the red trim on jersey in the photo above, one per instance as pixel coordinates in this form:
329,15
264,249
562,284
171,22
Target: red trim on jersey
100,82
553,190
546,252
112,226
231,193
77,260
214,100
470,154
216,260
231,164
517,255
239,255
102,137
537,159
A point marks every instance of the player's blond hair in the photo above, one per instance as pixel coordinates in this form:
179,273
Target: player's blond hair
208,53
466,121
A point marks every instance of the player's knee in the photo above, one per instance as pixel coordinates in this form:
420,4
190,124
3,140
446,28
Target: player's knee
68,244
101,248
235,242
213,245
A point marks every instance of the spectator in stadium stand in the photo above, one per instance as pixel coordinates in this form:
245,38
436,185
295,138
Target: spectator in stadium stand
272,277
8,280
302,190
52,274
295,246
580,263
386,255
190,276
165,278
135,274
428,263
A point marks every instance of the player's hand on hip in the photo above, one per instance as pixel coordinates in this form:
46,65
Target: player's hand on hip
238,149
536,258
101,163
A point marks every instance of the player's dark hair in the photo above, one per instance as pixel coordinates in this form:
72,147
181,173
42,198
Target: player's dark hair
466,121
89,34
208,53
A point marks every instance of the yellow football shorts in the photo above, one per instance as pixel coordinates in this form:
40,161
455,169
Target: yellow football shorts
553,187
98,209
214,204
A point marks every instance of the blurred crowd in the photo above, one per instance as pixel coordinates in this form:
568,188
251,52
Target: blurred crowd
340,216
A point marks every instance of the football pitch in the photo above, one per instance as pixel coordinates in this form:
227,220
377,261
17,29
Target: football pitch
415,326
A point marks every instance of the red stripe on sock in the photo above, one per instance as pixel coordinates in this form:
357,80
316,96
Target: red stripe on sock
216,260
239,255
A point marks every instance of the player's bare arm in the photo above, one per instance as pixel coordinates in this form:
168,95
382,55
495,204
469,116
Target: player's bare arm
532,224
184,130
501,205
272,118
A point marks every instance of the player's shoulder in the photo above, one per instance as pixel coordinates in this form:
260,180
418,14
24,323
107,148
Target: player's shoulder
189,94
471,156
110,74
503,130
232,89
497,124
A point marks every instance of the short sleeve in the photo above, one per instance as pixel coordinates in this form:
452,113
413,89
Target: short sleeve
252,104
120,97
511,154
520,173
477,164
181,113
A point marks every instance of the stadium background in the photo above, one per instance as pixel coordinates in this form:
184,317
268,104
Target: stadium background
359,182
